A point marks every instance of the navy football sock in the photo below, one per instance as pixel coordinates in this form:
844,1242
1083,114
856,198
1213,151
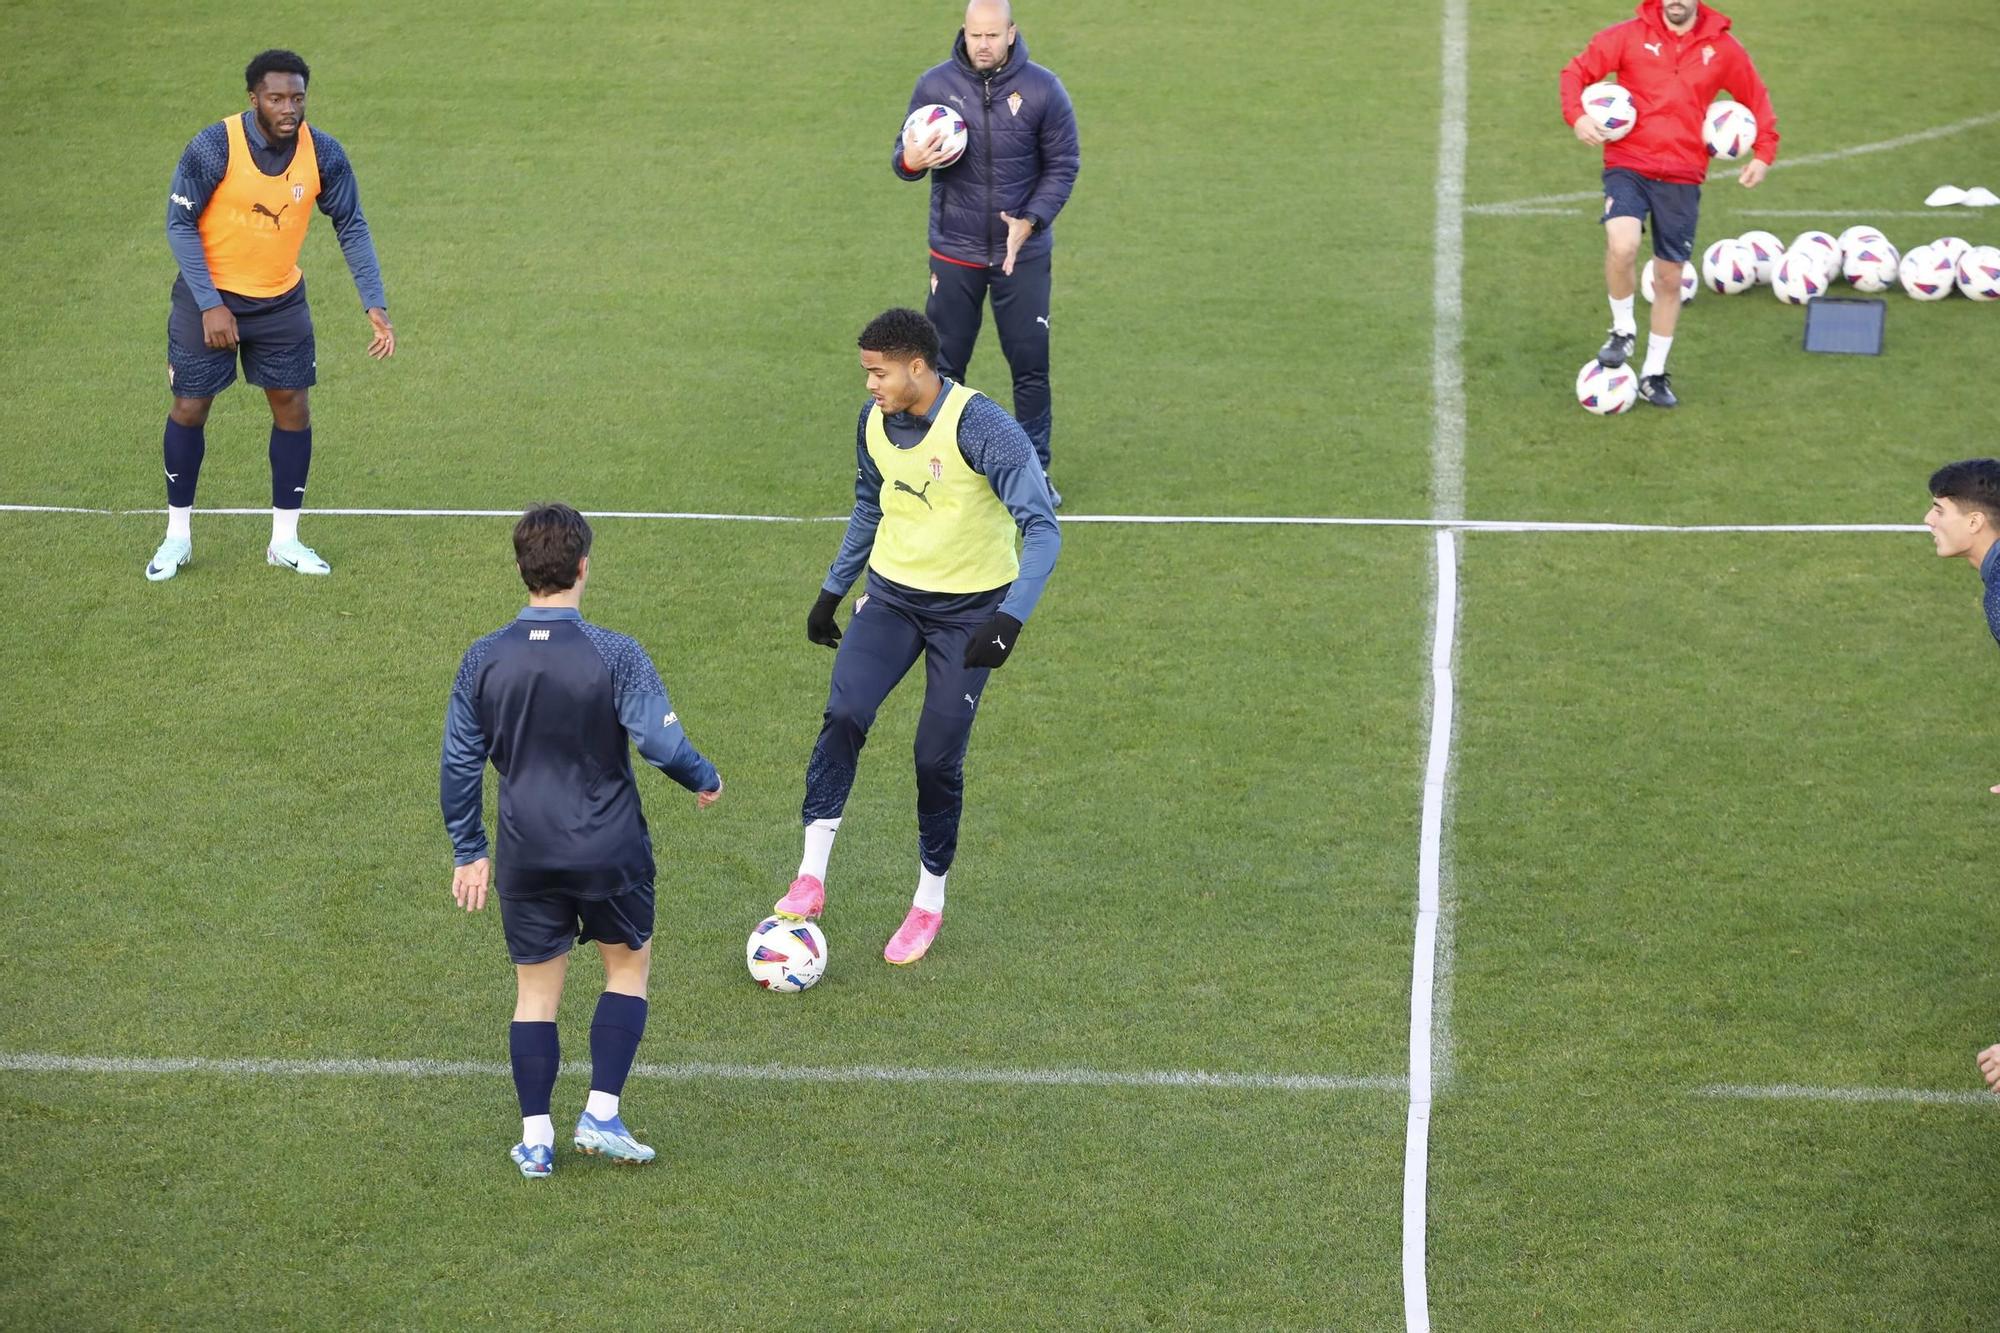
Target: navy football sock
614,1040
536,1055
291,459
184,448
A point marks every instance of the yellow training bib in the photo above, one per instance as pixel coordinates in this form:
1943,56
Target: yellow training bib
943,529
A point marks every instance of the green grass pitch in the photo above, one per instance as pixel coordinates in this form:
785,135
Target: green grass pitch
1718,815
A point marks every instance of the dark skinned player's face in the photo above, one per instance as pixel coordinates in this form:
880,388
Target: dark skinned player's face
280,103
892,383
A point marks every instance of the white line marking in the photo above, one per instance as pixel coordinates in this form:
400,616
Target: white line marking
1430,862
41,1063
1516,206
1239,520
1447,507
1781,1092
1447,279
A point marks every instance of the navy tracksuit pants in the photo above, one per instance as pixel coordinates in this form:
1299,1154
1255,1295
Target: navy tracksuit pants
1020,312
880,645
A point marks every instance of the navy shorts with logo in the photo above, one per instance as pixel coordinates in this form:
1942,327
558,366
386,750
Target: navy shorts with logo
1674,209
274,336
547,925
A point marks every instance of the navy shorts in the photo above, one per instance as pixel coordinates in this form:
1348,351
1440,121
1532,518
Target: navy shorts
547,925
274,337
1673,208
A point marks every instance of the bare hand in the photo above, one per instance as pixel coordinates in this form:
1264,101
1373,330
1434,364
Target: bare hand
1989,1065
925,155
468,883
1018,232
1996,791
218,327
1589,131
1753,172
704,799
384,344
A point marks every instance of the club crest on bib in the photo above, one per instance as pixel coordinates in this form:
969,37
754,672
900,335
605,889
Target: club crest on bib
298,193
1014,104
937,467
1707,54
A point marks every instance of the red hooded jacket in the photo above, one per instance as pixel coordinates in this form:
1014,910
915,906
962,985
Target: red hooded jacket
1672,80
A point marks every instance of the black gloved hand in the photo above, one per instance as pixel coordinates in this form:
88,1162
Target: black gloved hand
820,626
995,639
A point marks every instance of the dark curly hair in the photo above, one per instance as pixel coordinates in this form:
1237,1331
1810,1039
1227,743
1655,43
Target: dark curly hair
901,333
275,61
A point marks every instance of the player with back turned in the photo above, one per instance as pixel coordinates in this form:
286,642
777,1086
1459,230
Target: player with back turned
237,212
944,480
557,704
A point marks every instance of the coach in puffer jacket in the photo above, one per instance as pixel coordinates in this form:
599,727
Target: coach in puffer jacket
993,211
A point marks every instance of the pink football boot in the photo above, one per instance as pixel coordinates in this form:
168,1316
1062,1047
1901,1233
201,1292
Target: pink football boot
913,939
804,900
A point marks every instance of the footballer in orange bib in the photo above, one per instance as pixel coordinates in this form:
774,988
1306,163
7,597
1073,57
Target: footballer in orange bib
237,214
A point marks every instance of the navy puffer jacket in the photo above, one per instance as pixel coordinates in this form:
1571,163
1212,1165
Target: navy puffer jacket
1020,154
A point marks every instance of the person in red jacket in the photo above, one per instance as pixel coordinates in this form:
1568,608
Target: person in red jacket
1673,58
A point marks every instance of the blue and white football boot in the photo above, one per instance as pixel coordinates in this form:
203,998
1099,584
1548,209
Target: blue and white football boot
536,1162
167,561
296,555
610,1138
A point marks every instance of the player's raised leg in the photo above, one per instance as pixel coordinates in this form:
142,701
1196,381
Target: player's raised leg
876,651
534,1050
291,462
951,703
615,1033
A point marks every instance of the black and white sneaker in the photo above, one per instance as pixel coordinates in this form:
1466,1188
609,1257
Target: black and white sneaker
1656,390
1617,350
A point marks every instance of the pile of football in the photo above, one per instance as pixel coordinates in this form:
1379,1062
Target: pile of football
1862,257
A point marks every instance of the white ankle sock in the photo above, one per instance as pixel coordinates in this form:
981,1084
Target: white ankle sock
285,528
601,1106
1621,316
1657,347
179,521
930,890
538,1129
819,846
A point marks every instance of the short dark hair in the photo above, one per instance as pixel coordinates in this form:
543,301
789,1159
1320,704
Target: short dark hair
1974,483
902,333
275,61
549,542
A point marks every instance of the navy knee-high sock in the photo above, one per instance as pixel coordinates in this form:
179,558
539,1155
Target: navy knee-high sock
536,1055
614,1040
184,447
291,460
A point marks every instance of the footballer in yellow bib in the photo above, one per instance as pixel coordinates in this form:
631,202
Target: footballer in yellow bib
955,526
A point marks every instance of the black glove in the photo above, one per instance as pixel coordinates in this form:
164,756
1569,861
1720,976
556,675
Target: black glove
820,626
995,639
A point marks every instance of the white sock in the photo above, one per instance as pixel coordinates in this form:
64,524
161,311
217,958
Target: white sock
1621,316
601,1106
538,1129
179,522
1657,347
930,890
284,526
819,846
